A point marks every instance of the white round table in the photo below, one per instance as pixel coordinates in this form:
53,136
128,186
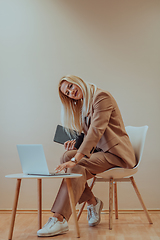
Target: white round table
39,178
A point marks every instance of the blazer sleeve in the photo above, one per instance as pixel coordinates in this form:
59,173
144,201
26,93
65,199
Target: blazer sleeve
102,108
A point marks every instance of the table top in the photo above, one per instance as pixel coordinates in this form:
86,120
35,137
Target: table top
25,176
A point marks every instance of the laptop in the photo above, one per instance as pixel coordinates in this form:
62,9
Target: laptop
33,160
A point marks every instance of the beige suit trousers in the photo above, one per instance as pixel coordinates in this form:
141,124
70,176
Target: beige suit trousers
88,167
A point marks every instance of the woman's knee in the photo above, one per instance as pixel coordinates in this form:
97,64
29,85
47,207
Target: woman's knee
67,156
78,169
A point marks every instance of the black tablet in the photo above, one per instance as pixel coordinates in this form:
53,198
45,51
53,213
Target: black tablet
61,136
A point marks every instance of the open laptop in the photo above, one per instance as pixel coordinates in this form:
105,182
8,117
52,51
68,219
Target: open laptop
33,160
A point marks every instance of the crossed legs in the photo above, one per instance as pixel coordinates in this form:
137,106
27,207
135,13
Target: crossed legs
88,167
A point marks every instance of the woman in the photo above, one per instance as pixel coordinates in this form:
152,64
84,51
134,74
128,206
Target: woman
88,109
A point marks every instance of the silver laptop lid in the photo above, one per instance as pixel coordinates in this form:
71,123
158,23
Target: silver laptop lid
32,159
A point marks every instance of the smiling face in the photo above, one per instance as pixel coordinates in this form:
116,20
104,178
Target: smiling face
71,90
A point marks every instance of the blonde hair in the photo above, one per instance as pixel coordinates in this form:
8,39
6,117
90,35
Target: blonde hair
73,112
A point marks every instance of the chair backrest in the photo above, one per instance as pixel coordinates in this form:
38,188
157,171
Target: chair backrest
137,137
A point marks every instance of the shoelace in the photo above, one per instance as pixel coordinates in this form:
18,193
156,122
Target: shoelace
89,214
53,220
92,212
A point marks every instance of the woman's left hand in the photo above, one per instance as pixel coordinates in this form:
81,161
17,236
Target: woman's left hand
62,166
69,145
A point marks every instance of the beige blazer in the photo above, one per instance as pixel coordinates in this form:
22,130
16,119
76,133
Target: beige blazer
105,129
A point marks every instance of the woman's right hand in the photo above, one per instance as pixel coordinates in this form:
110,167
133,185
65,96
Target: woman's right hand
69,145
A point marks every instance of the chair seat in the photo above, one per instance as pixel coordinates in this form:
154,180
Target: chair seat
117,173
137,137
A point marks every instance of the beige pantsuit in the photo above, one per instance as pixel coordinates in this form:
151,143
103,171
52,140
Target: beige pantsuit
88,168
104,129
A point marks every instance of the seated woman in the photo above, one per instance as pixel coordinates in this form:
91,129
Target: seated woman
88,109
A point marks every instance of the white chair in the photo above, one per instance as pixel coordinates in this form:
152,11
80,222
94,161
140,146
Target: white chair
137,137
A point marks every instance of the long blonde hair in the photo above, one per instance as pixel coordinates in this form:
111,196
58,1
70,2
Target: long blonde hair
73,112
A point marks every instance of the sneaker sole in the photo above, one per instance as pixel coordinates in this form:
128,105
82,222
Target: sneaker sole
96,223
53,234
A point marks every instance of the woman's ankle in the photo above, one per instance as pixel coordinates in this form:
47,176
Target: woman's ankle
58,216
92,201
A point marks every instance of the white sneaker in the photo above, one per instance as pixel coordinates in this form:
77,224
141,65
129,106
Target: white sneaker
94,213
53,227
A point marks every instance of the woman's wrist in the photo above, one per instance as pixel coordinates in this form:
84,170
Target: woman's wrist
74,160
78,157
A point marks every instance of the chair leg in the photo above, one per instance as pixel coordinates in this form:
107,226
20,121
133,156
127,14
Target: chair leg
115,200
39,185
83,205
14,209
81,210
140,199
110,203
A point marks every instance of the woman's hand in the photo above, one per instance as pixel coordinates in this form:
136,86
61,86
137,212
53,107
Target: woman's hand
69,145
62,166
69,164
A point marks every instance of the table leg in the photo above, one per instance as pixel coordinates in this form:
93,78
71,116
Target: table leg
72,201
14,208
39,185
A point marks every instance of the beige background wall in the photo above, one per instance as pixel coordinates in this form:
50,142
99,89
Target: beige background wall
114,44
